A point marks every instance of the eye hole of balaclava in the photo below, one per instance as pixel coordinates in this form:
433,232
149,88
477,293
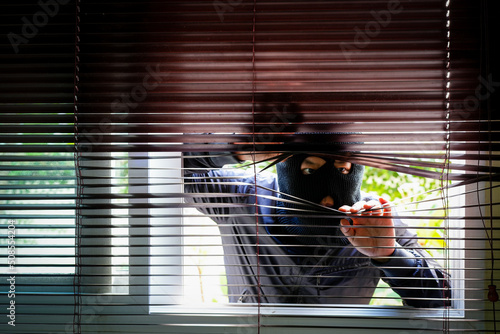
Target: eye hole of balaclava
327,180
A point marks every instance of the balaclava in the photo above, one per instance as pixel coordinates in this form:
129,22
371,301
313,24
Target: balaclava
327,180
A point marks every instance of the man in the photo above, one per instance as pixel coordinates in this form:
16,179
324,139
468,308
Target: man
313,236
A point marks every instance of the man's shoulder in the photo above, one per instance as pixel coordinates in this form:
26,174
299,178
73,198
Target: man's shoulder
267,177
247,177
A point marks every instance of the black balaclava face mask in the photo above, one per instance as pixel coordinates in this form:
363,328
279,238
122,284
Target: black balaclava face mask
315,229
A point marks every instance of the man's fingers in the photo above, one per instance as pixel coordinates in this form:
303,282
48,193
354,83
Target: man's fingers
346,229
357,206
386,206
345,208
373,207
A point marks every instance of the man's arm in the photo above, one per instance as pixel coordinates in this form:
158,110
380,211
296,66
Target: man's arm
202,162
198,162
406,267
213,190
218,191
411,275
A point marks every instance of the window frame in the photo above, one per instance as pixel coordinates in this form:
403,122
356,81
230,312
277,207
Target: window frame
329,313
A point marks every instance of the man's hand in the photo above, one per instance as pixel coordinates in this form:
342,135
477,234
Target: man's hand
374,236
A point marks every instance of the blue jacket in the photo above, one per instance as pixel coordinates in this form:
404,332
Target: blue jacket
256,260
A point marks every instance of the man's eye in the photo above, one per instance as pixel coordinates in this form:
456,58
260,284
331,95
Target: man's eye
343,170
308,171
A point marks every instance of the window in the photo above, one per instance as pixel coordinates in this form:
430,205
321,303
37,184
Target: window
200,274
38,205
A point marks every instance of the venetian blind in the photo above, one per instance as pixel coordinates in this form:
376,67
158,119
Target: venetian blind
37,171
119,91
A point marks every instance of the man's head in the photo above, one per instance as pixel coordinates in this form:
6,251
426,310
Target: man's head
321,180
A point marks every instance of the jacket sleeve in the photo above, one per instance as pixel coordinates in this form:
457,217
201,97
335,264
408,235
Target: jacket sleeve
213,190
414,274
202,162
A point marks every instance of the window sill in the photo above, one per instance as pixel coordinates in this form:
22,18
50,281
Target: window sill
292,310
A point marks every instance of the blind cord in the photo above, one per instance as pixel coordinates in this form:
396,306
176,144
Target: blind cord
444,179
77,315
254,73
492,291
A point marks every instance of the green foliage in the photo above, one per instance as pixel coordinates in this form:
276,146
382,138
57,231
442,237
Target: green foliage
223,284
394,185
44,175
385,296
40,175
412,195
